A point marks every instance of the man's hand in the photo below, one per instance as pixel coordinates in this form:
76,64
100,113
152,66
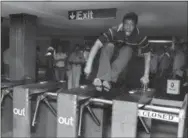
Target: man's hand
87,70
145,80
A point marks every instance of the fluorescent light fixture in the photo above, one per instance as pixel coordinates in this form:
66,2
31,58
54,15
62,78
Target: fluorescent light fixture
160,41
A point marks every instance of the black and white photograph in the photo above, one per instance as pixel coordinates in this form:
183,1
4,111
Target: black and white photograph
94,69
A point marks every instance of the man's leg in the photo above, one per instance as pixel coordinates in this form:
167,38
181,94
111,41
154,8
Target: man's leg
69,74
74,75
57,74
121,62
104,70
62,75
77,76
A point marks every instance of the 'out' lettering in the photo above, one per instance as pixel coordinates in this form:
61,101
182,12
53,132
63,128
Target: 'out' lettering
66,121
20,112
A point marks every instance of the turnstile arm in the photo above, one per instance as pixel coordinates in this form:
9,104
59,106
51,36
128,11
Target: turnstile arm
40,98
36,110
85,104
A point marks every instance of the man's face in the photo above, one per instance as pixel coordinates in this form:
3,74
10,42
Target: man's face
128,27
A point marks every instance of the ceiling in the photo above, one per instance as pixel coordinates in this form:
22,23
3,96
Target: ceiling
155,18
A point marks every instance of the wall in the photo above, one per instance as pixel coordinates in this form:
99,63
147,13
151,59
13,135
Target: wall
73,40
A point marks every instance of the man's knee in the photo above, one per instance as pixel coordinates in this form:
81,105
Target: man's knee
127,48
123,59
126,51
108,49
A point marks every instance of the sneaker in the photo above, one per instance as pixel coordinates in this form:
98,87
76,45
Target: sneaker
107,86
98,84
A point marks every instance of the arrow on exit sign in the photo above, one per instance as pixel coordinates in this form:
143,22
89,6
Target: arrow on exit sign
72,15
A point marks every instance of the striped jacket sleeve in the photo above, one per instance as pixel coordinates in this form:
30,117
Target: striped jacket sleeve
108,36
144,45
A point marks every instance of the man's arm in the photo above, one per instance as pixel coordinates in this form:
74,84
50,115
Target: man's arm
145,49
147,57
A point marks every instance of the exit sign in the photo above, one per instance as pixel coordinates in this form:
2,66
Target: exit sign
92,14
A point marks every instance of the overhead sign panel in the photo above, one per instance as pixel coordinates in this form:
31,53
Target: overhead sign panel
92,14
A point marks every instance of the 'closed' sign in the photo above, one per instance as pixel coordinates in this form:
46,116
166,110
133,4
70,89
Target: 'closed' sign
173,87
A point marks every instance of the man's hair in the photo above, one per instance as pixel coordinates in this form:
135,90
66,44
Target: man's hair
131,16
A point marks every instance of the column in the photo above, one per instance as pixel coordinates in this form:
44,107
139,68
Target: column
22,46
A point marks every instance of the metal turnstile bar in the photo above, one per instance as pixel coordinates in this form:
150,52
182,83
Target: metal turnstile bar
101,101
162,102
151,107
159,108
51,94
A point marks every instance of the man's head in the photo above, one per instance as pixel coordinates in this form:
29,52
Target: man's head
50,51
130,21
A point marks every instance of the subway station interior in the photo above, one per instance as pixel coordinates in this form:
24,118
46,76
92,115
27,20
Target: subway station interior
94,69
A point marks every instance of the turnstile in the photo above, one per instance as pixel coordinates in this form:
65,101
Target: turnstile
71,120
6,103
22,105
69,104
127,110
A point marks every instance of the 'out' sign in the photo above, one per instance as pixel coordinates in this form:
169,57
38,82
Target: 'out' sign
19,112
66,121
173,87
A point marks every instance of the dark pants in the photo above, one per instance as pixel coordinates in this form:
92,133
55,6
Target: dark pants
60,73
74,75
50,74
110,71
